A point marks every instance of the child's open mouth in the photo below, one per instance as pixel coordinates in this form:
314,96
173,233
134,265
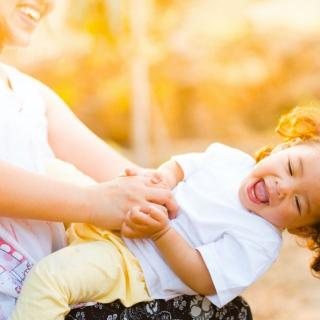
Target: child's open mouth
258,192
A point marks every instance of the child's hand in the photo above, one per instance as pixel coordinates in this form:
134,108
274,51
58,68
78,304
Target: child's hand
108,203
151,223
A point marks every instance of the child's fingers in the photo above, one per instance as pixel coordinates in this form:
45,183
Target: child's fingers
130,172
128,232
158,208
139,220
156,177
157,213
138,216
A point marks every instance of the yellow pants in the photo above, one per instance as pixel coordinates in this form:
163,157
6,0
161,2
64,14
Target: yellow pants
97,266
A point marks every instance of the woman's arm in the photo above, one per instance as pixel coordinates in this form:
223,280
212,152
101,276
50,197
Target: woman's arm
24,194
28,195
73,142
183,259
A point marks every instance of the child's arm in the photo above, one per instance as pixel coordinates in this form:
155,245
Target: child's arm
183,259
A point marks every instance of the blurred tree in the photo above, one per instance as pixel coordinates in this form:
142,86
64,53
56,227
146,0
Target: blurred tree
202,69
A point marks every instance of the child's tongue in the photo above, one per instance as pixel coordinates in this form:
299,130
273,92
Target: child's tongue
261,192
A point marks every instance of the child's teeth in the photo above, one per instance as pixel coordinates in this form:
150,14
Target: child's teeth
32,13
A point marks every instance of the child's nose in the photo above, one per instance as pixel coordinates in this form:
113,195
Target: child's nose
284,188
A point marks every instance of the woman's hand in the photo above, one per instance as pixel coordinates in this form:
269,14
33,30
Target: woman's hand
168,175
109,202
151,222
157,177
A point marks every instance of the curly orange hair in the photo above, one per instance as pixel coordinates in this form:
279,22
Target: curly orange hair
302,124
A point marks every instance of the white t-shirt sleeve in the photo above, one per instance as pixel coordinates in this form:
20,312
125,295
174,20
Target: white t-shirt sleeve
191,162
234,265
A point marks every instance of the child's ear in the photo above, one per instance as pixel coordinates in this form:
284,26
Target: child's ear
301,231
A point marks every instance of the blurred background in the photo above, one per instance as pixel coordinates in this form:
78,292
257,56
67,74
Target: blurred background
161,77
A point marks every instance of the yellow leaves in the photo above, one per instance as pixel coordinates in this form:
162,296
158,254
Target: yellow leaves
212,65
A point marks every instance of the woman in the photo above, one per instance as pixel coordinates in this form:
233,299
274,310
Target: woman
36,126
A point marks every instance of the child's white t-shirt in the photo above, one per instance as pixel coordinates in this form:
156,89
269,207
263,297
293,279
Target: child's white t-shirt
24,143
237,246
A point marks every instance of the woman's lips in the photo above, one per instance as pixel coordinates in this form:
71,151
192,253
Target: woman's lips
29,14
257,192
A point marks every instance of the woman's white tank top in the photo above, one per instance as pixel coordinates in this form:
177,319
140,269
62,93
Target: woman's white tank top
24,143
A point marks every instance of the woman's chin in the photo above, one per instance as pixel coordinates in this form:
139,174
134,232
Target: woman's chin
17,42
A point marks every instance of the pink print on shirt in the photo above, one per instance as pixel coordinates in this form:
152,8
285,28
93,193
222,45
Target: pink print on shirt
14,268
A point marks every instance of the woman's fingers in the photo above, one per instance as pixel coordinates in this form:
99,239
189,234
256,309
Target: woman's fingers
140,191
153,174
165,198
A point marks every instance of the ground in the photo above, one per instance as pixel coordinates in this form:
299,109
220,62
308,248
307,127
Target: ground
288,291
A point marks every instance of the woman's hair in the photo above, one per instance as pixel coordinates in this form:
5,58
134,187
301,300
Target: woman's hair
301,125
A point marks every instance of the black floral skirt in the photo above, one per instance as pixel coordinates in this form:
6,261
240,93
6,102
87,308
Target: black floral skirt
179,308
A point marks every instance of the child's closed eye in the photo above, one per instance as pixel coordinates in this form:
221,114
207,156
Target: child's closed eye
290,169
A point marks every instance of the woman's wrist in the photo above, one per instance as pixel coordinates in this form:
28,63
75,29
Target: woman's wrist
86,205
98,206
75,205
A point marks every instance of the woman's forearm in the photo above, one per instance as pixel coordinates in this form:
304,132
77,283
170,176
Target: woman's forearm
28,195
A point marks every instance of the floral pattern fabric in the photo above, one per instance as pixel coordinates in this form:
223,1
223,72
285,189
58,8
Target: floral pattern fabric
179,308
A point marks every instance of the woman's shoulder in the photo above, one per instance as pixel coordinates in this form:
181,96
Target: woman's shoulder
26,90
9,69
18,76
